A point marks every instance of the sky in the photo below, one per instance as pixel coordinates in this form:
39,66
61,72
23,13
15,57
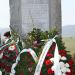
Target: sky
68,13
4,13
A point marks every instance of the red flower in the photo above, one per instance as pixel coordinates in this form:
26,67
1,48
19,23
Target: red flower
49,51
49,71
72,71
2,65
9,51
62,52
41,73
8,69
14,57
5,57
22,73
68,73
49,55
48,62
53,46
70,62
28,54
31,63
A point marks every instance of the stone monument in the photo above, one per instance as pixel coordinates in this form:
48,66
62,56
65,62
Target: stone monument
26,14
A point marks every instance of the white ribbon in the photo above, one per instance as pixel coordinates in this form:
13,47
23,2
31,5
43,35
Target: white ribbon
18,59
42,57
56,66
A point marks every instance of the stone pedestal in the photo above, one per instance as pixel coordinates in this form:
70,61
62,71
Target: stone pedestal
27,14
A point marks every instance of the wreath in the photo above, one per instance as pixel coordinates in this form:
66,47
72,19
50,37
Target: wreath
27,65
34,40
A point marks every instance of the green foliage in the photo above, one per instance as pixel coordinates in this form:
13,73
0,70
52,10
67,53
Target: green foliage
38,35
34,40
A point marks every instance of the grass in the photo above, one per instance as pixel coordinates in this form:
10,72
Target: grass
70,44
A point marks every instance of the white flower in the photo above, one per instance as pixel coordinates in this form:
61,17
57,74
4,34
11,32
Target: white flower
63,58
53,68
63,74
0,73
64,67
52,59
59,56
67,65
68,70
1,55
61,64
12,74
12,47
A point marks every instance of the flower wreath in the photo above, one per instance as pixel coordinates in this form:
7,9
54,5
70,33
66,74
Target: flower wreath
7,58
66,63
